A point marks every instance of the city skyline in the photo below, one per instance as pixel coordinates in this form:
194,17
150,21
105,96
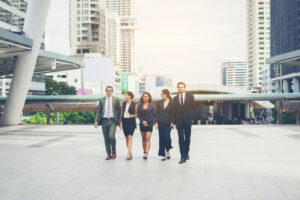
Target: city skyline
191,27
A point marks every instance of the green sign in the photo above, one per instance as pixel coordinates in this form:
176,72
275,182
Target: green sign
124,82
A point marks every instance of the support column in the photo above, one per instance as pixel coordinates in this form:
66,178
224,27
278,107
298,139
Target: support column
57,118
298,117
48,114
285,86
247,109
34,26
279,112
296,81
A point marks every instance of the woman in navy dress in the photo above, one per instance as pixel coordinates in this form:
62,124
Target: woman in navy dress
164,118
128,121
146,114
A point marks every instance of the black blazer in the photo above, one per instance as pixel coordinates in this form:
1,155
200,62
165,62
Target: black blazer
131,109
185,113
147,115
164,115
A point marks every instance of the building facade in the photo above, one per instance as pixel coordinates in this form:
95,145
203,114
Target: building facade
285,32
87,27
258,40
234,73
124,8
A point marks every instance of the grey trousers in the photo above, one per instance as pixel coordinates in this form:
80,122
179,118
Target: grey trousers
109,132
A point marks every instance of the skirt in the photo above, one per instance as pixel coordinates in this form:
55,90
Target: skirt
146,129
129,125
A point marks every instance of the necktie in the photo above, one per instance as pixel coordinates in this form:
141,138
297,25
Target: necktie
108,108
181,99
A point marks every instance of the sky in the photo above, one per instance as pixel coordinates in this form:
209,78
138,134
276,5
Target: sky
185,39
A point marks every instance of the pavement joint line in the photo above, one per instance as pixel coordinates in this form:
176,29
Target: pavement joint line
294,136
243,132
51,141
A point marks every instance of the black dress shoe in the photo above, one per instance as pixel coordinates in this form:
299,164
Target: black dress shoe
187,157
182,160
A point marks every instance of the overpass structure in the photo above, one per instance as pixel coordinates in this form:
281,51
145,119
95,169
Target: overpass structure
21,55
227,106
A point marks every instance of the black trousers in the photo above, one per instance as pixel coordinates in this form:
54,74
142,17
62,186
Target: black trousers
184,136
165,141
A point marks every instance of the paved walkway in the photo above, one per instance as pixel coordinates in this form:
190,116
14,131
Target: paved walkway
227,162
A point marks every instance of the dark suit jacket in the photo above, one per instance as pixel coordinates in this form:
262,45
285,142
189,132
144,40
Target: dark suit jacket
185,113
147,115
116,110
164,115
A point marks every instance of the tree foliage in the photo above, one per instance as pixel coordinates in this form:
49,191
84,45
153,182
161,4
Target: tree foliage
58,88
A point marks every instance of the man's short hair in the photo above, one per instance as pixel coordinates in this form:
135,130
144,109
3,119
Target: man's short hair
109,87
180,83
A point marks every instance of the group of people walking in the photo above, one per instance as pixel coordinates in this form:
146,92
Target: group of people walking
164,115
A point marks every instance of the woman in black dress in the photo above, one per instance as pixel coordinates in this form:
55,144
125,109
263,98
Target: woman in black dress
128,122
146,115
163,123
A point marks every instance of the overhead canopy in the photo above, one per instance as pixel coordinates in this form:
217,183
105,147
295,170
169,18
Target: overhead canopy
290,58
14,44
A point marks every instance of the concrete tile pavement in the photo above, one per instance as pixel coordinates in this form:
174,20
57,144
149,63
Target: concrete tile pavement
227,162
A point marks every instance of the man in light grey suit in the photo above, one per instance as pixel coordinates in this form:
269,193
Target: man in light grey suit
108,115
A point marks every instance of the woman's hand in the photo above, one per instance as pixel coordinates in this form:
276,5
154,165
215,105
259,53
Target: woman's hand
156,125
145,123
131,116
95,124
121,126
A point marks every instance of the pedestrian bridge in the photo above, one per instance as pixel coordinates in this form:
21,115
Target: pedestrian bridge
225,106
227,162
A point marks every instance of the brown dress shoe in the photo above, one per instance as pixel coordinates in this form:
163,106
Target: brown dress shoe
114,156
108,157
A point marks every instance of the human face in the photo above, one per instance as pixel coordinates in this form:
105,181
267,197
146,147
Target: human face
127,97
146,98
109,92
164,96
181,88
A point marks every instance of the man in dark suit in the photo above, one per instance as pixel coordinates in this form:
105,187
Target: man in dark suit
108,115
183,106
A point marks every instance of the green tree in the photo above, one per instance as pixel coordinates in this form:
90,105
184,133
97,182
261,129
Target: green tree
57,88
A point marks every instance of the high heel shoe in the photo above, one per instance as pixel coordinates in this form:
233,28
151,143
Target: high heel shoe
164,159
145,157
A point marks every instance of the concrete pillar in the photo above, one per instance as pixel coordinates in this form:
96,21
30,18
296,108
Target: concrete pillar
298,117
57,118
48,114
296,81
34,26
247,109
279,112
285,86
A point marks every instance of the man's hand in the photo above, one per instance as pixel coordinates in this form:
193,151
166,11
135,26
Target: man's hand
173,126
95,124
121,126
156,125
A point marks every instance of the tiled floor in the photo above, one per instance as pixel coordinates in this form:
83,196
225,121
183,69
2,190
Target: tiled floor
227,162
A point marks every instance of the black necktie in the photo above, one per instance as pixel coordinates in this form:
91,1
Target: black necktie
181,98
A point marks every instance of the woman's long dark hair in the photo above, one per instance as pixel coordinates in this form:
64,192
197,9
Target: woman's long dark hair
167,92
150,98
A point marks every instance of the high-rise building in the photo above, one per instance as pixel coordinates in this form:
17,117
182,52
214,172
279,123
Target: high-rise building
258,22
234,73
113,37
124,8
87,27
285,44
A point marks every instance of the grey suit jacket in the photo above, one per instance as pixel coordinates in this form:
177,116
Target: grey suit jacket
101,109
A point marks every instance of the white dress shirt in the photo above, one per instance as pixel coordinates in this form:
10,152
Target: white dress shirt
126,112
183,97
106,108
